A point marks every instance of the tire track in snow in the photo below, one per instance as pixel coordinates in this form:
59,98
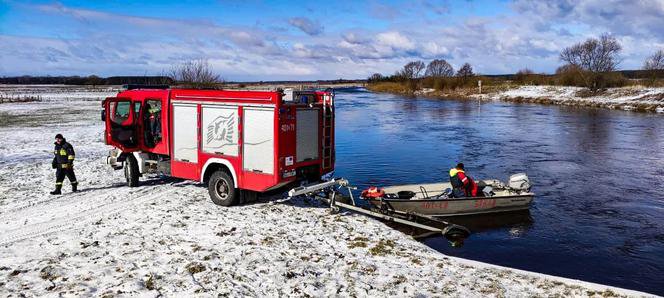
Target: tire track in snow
14,212
69,220
36,211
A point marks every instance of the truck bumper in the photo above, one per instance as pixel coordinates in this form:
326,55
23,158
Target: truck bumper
115,159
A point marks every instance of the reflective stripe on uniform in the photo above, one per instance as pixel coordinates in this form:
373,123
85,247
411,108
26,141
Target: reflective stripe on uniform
58,183
74,182
71,157
64,165
63,152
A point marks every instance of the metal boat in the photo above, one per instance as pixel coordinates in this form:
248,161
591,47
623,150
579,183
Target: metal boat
435,199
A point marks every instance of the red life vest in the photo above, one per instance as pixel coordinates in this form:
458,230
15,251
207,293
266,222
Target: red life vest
469,186
373,192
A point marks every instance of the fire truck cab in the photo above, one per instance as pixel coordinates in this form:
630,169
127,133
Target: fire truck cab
238,142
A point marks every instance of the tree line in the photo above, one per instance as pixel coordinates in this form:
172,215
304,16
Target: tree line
196,73
592,63
89,80
438,74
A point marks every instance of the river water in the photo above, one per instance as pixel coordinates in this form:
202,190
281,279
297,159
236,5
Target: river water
598,176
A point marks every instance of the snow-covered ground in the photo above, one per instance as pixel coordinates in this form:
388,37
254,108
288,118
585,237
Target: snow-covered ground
626,98
167,238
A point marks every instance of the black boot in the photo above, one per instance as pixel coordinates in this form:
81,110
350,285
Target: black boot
74,187
57,190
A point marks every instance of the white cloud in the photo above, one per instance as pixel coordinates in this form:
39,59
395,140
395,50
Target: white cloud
395,40
112,44
433,49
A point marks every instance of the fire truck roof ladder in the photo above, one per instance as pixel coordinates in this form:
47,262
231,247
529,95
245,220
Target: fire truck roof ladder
328,122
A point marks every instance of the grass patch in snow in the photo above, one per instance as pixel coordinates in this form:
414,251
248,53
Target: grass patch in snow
195,267
384,247
358,242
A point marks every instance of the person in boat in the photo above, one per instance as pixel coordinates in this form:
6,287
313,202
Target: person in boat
462,184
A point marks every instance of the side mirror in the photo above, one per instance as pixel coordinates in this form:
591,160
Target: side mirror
103,115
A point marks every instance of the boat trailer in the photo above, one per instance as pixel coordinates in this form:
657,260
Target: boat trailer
329,192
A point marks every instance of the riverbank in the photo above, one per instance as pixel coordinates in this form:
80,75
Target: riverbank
167,238
633,98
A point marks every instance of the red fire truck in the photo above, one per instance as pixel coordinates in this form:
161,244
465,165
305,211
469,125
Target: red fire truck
238,142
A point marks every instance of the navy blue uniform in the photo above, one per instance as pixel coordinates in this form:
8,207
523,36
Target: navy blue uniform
63,162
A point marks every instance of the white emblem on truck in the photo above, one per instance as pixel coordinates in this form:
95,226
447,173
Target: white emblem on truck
221,130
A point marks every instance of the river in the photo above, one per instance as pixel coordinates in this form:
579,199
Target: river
598,176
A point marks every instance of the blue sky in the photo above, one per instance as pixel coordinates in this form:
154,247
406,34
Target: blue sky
275,40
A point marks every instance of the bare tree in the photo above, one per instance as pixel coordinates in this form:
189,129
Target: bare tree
594,58
439,68
654,65
465,72
195,74
376,77
655,62
594,55
523,75
412,70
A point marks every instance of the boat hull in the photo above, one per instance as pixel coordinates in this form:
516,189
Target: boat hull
455,207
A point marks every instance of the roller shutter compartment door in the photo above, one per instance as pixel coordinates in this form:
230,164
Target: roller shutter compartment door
220,130
185,128
258,141
307,134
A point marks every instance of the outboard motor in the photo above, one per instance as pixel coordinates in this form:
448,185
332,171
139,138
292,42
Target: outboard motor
519,182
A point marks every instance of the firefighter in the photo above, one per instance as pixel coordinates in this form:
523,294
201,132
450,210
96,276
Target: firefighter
63,162
462,185
153,125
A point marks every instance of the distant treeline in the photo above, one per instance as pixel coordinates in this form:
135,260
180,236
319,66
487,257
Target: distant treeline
90,80
629,74
320,82
147,80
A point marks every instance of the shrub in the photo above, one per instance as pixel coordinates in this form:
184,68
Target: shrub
389,87
195,74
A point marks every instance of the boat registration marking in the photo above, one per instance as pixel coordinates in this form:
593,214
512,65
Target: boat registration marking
434,205
486,203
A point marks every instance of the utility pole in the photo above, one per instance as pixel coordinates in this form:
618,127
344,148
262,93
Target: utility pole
479,98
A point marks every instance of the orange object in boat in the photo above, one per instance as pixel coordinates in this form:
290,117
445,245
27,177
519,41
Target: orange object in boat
373,192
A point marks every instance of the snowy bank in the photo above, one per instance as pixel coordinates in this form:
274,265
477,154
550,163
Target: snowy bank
167,238
625,98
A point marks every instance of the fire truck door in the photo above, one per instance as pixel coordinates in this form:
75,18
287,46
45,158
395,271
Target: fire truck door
185,133
121,127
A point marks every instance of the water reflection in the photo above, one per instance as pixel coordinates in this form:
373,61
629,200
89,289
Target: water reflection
598,175
517,223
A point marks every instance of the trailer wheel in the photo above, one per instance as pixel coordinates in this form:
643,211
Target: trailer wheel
456,233
131,171
222,190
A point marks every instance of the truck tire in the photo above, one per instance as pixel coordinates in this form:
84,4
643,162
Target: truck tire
222,189
131,171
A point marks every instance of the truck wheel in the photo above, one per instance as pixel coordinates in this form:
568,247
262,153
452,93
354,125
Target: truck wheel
131,171
222,190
